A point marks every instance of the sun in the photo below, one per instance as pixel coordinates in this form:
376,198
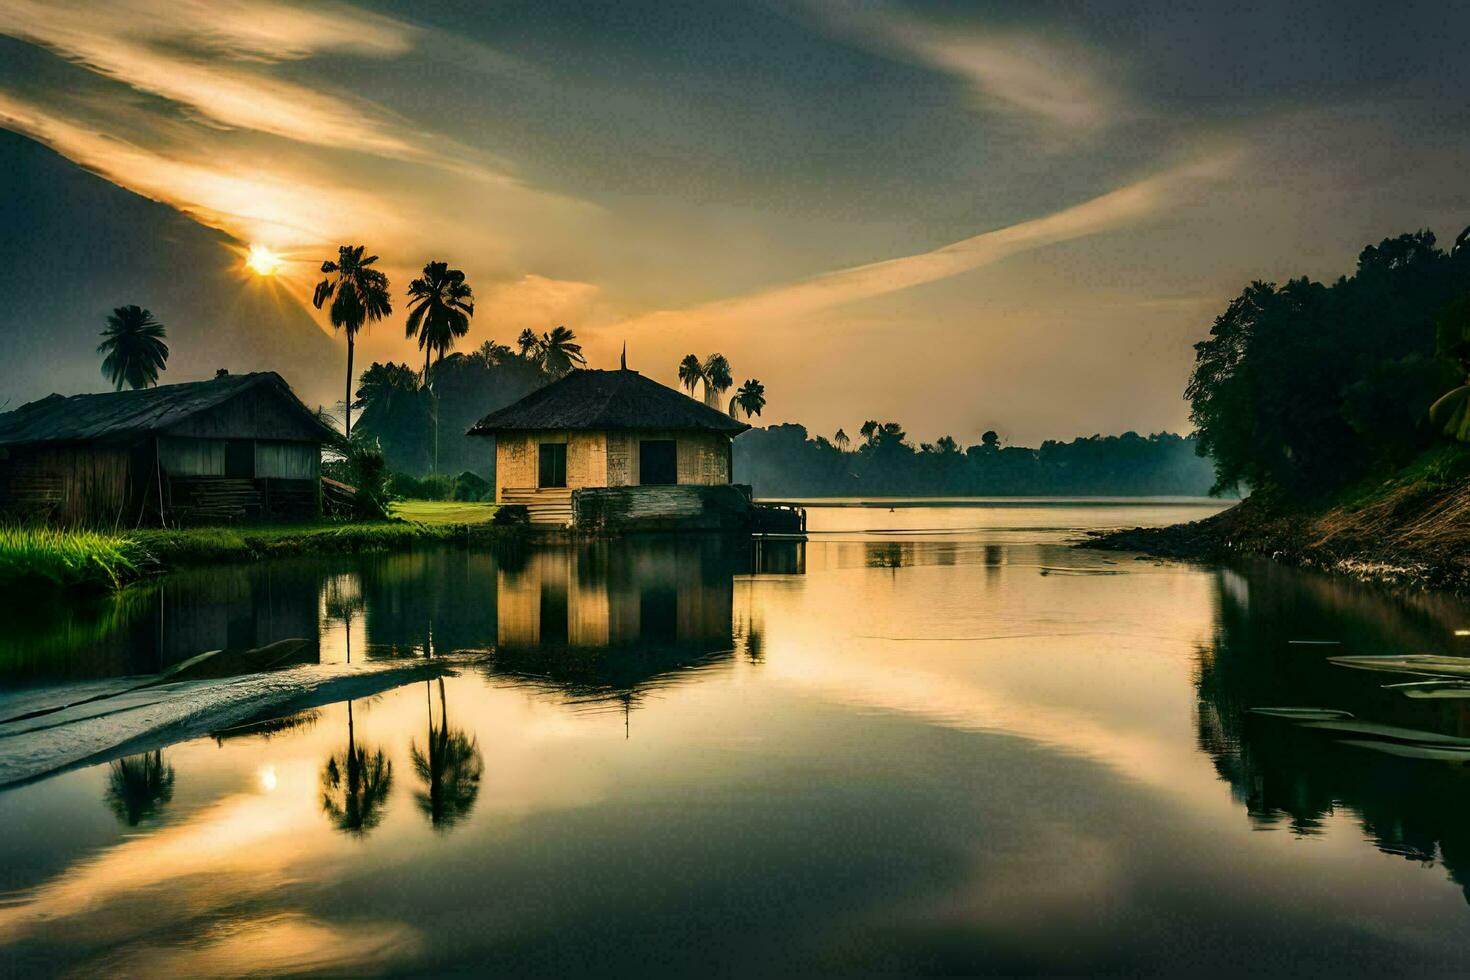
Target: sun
262,261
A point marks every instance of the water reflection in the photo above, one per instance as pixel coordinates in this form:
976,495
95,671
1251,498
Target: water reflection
355,784
449,766
1277,631
139,786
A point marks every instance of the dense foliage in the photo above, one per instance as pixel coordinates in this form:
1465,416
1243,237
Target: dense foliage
782,461
405,417
1303,387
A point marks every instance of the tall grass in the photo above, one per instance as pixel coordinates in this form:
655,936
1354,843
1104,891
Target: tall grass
66,559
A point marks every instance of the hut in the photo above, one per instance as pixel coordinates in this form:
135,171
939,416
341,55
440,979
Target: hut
613,449
234,448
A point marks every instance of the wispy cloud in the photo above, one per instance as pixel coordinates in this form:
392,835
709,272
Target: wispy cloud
1055,83
1113,210
1052,82
211,59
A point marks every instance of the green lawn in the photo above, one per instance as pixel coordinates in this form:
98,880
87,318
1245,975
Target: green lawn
440,512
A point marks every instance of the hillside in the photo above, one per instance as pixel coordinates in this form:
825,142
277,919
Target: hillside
1412,529
75,245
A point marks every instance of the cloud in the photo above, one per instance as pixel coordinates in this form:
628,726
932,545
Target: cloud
251,203
1126,205
210,59
1045,80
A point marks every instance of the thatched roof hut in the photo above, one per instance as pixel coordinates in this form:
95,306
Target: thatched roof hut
235,447
608,429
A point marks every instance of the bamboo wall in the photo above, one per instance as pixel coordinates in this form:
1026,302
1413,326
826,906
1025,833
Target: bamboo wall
70,485
597,459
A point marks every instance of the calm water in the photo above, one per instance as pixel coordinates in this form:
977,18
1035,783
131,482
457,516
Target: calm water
932,739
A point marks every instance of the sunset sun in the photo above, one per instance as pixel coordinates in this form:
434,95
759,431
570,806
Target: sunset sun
262,261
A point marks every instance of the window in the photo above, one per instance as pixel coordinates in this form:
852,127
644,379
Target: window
553,465
658,462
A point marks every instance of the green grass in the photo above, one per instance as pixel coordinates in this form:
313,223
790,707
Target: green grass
440,512
67,559
52,559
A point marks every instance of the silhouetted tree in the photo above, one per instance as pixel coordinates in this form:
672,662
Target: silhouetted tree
750,399
716,377
359,295
529,346
133,348
560,352
841,440
990,439
691,372
439,309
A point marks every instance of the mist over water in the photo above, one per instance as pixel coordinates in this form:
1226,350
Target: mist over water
932,738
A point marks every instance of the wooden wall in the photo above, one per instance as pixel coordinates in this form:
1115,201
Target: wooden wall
288,460
596,459
71,485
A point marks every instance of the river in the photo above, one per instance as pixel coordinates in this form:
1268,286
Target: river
931,739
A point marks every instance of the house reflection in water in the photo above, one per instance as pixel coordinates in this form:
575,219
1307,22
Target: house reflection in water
610,620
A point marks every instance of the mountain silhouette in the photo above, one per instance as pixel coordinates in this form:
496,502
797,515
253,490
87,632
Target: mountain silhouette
73,246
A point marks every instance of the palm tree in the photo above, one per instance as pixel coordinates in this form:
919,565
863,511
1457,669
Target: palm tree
841,441
560,352
134,348
439,309
750,399
691,372
868,431
449,767
717,378
530,346
490,353
355,785
359,296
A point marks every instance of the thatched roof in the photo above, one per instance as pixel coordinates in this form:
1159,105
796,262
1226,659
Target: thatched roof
125,415
606,401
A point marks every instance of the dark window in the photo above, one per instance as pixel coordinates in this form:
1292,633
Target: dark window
240,459
553,463
658,462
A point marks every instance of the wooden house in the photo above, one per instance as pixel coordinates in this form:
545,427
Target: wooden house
235,448
599,448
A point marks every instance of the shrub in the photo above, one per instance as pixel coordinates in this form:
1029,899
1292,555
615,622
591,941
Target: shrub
511,515
471,486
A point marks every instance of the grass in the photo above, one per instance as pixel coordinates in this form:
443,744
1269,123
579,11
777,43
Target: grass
54,559
435,513
67,559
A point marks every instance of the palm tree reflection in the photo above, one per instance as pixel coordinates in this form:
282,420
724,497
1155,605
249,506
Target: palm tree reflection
355,785
450,767
139,786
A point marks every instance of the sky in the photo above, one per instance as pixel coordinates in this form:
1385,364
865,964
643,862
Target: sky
959,216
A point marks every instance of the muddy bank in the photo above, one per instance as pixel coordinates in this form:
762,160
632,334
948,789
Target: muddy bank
1408,534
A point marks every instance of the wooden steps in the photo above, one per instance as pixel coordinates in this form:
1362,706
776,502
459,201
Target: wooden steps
549,507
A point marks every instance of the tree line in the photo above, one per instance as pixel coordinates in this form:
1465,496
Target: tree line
786,461
1304,387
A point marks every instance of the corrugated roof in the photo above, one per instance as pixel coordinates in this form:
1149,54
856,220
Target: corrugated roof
606,400
120,415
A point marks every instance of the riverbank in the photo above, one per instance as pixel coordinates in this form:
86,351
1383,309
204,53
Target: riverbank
1412,530
71,560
